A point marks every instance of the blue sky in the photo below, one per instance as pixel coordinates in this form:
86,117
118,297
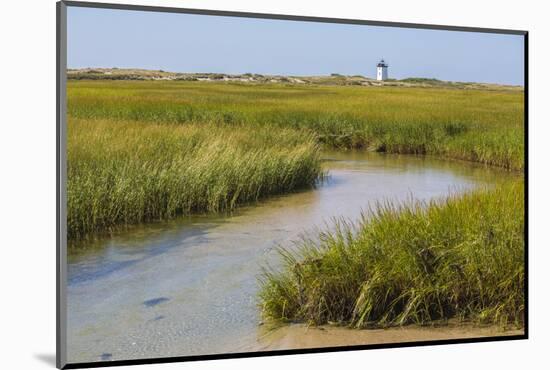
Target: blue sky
201,43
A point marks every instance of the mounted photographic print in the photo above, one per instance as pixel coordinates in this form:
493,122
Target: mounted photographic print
234,184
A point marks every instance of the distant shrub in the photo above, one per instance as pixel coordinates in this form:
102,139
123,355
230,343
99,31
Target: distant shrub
432,81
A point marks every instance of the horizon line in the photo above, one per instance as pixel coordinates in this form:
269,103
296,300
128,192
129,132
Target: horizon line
332,74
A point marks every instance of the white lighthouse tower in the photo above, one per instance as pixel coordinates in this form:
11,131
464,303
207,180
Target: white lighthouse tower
382,70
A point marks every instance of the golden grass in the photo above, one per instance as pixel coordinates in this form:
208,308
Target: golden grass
475,125
125,172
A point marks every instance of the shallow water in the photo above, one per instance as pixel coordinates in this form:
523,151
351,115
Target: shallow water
188,286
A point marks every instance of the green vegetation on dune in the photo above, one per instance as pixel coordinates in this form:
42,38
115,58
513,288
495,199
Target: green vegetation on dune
412,263
126,172
475,125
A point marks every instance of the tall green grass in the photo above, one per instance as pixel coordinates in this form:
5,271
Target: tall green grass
476,125
126,172
413,263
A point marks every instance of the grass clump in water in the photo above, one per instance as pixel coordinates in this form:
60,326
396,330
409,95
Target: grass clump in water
127,172
416,263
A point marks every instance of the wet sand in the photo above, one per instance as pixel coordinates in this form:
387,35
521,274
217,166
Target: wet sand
299,336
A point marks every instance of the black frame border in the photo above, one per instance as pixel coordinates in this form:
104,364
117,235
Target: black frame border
61,81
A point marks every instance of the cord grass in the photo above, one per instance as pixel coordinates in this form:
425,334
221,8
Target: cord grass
126,172
475,125
408,263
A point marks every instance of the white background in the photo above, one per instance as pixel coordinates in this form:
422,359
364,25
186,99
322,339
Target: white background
27,181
